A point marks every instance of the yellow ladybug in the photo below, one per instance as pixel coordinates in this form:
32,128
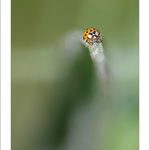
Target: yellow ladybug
91,36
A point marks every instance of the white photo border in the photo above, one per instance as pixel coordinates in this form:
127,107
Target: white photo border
5,74
144,74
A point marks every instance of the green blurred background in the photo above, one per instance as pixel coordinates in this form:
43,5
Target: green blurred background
58,101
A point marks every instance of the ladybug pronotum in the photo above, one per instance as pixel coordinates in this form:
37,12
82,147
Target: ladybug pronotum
91,36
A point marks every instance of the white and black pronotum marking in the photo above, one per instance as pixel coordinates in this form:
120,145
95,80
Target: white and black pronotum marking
93,34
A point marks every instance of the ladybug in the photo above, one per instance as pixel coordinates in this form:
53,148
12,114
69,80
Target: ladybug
91,36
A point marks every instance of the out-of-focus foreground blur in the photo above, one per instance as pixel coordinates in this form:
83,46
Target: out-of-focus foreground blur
59,101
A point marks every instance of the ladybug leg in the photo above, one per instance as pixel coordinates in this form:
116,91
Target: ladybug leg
89,42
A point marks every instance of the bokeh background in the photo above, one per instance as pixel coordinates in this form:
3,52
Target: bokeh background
58,100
